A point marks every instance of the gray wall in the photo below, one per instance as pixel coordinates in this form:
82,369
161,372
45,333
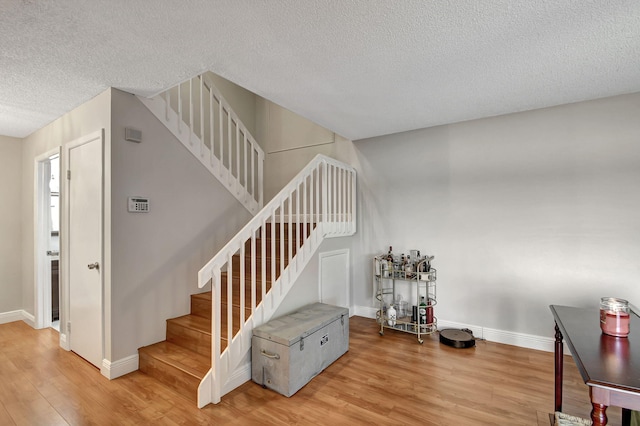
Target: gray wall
521,211
10,228
290,142
307,287
190,221
171,263
156,256
243,102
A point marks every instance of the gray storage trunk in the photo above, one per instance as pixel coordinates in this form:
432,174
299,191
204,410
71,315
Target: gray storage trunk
287,352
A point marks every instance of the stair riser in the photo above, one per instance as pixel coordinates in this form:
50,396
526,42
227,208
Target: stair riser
303,232
268,258
247,290
286,227
189,338
201,307
247,298
268,240
236,319
181,382
205,312
235,267
247,269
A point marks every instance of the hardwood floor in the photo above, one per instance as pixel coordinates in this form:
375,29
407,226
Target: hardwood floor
389,380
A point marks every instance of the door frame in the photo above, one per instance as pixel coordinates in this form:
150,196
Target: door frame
65,226
42,273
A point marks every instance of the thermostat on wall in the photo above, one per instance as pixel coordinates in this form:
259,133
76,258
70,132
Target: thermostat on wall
138,205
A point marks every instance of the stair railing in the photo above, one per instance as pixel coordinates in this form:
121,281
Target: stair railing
318,203
201,118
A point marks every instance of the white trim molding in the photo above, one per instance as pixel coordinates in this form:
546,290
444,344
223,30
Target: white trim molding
19,315
529,341
363,311
64,343
115,369
29,319
522,340
41,262
241,375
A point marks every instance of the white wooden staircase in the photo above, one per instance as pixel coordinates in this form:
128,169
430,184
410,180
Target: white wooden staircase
207,353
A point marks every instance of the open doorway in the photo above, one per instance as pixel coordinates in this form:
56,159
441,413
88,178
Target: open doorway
47,250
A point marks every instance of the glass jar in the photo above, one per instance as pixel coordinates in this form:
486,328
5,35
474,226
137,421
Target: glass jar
614,316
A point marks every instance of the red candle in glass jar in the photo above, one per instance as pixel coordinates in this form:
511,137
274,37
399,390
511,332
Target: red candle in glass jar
614,316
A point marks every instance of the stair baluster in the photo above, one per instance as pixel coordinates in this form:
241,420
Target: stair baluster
323,213
319,202
222,157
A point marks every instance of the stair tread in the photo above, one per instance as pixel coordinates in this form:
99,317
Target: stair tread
193,322
179,357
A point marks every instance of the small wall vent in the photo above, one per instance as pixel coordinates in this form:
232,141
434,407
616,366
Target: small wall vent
133,135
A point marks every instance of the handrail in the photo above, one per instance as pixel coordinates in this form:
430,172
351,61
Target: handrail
197,113
318,203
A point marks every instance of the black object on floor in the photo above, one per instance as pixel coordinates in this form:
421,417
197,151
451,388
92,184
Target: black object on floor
457,338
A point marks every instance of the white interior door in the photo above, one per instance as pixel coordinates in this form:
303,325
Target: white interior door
85,249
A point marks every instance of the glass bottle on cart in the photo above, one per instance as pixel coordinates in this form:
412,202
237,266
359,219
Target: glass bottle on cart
405,289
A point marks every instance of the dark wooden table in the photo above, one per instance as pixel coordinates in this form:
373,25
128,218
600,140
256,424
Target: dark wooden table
609,365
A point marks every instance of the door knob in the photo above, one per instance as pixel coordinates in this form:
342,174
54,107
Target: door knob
52,253
93,266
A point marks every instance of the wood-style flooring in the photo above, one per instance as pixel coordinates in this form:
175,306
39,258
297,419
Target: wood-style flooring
388,380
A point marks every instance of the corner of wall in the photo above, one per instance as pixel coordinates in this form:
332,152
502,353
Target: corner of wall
115,369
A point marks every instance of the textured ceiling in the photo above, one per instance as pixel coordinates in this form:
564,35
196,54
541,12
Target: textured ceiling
358,67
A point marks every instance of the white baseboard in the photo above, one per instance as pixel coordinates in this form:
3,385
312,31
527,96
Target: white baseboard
19,315
112,370
522,340
64,343
6,317
364,311
241,375
29,319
